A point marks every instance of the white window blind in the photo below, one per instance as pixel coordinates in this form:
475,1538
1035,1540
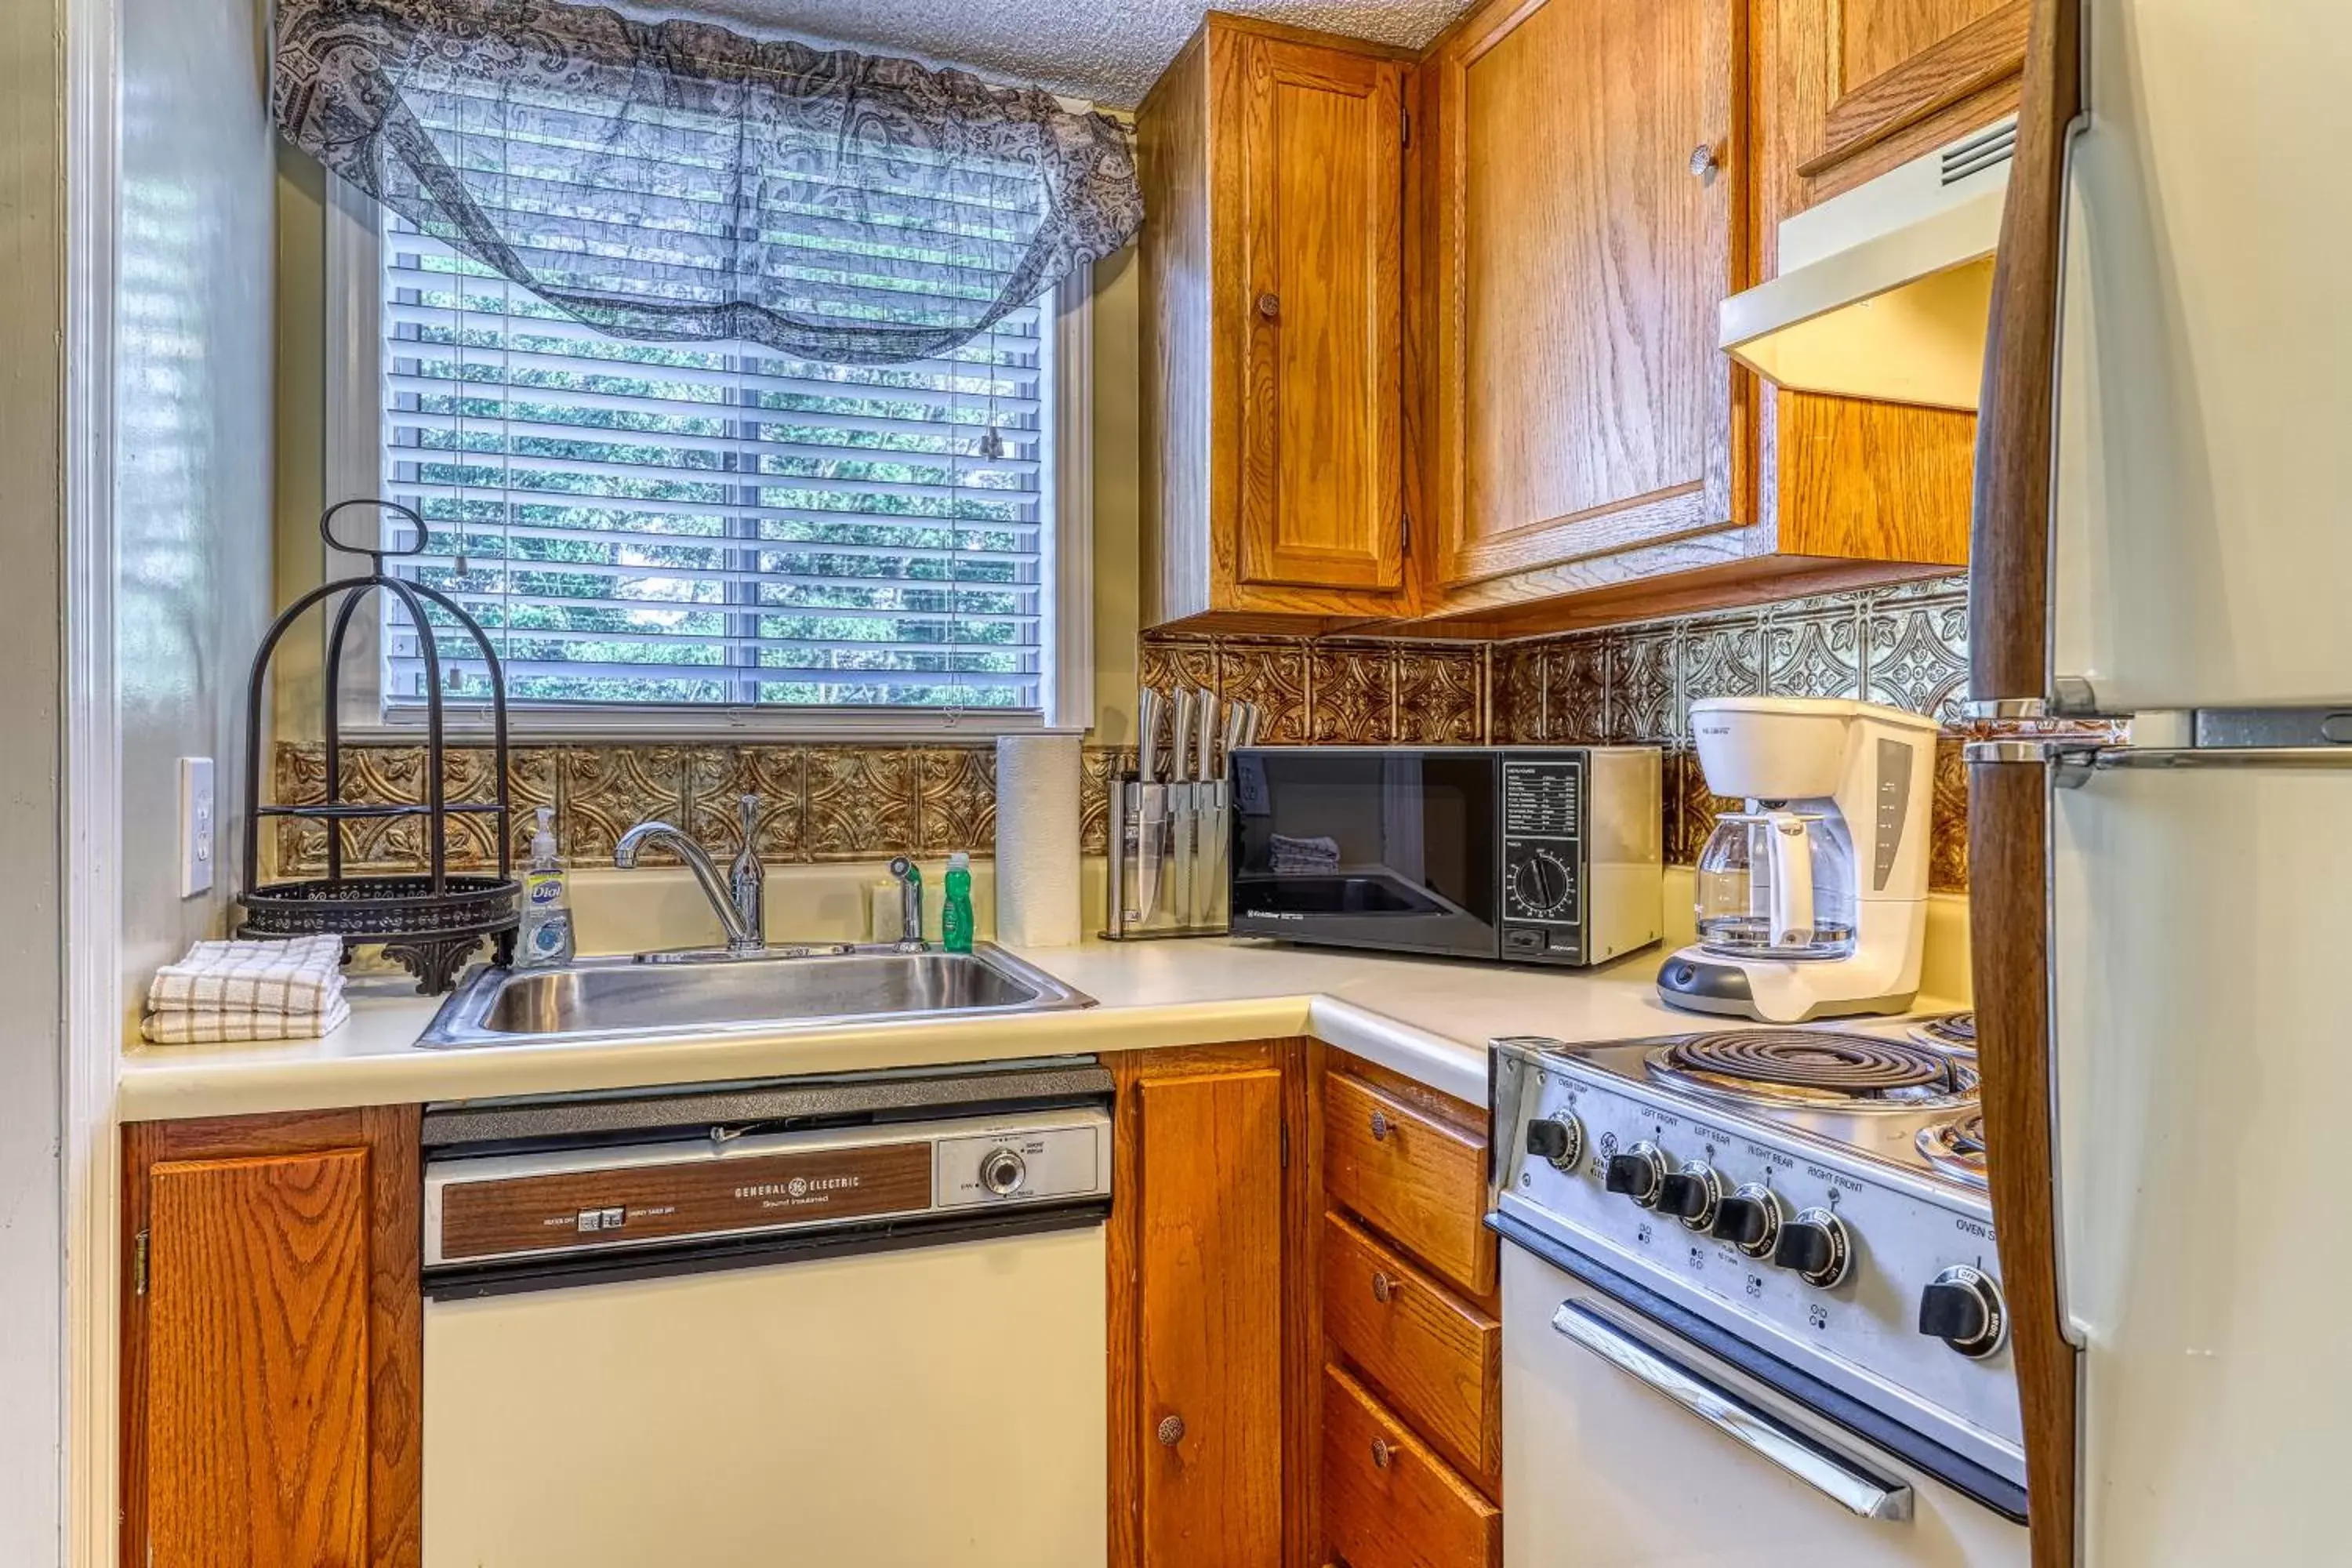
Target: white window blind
712,525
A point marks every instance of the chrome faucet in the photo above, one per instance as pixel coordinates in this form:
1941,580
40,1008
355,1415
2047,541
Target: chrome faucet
910,900
741,901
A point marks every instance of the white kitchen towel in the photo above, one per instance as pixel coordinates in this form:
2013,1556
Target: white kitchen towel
209,1025
301,977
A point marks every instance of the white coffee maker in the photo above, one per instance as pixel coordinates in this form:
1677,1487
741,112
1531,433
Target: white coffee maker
1812,901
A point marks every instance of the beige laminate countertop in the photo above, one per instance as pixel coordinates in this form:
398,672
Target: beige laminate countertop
1428,1018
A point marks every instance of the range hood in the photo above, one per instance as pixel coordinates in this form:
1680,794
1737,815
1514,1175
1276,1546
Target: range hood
1884,291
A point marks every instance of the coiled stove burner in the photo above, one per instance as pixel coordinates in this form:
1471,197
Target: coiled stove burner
1816,1067
1955,1148
1952,1032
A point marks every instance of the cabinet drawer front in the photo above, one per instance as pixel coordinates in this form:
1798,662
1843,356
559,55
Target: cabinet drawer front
1420,1182
1389,1502
1436,1358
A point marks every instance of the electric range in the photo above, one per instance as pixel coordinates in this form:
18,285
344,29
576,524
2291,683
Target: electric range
1806,1205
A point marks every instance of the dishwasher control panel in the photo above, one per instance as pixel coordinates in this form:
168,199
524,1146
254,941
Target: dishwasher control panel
1023,1161
491,1208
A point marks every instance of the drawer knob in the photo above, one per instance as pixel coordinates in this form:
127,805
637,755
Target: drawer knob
1381,1125
1383,1288
1269,306
1381,1453
1171,1431
1702,159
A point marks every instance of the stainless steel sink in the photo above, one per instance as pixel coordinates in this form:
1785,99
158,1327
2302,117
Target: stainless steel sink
659,994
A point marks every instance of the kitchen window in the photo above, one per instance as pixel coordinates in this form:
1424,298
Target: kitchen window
696,537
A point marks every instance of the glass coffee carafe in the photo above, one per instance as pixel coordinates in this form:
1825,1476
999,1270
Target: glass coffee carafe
1776,883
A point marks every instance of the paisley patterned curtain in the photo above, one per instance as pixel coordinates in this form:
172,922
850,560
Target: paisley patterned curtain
675,181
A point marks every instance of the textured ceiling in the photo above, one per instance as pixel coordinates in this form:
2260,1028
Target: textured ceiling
1108,50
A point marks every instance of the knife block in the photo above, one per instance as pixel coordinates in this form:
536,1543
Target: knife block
1171,860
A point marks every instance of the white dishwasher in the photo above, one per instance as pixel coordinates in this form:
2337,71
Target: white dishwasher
857,1321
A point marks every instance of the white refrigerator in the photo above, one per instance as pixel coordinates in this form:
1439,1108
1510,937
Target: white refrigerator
2198,533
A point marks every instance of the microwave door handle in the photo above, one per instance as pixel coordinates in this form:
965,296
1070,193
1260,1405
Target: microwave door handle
1845,1483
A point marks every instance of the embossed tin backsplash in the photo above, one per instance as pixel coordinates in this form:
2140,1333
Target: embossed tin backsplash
817,801
1905,647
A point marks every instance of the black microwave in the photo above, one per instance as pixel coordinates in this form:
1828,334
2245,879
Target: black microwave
1542,854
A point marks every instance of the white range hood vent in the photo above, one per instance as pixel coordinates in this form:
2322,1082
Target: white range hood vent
1884,291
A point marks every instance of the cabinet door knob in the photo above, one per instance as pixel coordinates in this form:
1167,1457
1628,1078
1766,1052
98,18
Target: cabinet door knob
1381,1453
1381,1125
1383,1288
1269,306
1702,159
1171,1431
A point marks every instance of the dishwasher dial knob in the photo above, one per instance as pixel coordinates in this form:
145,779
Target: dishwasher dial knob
1691,1195
1003,1172
1750,1220
1963,1308
1637,1173
1560,1138
1815,1244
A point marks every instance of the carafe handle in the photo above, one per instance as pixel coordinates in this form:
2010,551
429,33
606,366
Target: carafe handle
1792,881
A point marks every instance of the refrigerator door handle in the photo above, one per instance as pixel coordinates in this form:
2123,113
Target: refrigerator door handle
1855,1489
2074,763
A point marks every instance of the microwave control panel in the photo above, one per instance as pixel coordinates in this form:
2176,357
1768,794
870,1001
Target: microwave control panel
1544,857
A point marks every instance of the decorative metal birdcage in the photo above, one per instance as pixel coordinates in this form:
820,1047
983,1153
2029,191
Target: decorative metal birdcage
429,922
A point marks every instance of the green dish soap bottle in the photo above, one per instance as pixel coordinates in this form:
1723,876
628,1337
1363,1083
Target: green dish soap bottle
955,916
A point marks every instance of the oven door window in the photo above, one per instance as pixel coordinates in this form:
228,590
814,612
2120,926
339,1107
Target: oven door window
1377,848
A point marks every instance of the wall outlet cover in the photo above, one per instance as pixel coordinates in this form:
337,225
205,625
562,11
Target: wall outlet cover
196,819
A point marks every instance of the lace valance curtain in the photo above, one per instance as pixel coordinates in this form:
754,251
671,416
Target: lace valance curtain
675,181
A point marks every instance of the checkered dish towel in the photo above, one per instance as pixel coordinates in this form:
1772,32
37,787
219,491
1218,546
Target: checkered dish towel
214,1025
249,991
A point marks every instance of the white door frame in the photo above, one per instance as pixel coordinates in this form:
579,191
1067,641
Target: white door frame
90,830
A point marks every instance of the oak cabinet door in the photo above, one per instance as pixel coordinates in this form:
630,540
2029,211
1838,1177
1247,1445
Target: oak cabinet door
257,1435
1209,1317
272,1344
1860,86
1322,460
1586,169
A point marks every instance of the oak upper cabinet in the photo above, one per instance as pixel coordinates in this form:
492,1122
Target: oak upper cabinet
1271,162
1199,1310
1582,223
1860,86
272,1342
1593,185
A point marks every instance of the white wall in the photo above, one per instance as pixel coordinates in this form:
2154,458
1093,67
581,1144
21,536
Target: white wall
192,417
32,252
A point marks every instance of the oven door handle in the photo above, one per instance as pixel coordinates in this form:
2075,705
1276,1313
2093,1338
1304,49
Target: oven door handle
1851,1488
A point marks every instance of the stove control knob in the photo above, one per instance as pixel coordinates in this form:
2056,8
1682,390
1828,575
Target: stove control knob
1638,1172
1750,1220
1560,1138
1691,1195
1815,1244
1963,1308
1003,1172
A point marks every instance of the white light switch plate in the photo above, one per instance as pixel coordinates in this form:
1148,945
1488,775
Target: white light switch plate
197,836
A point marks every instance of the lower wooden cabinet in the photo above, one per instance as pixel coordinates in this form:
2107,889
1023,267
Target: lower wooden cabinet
272,1345
1437,1358
1389,1500
1199,1310
1417,1170
1302,1362
1412,1452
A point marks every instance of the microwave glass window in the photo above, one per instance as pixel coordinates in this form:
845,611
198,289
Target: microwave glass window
1342,842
